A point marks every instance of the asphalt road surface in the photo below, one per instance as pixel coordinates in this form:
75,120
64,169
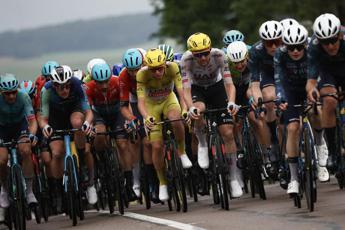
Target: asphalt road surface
277,212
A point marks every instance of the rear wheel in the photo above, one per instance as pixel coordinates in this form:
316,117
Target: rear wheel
71,193
19,202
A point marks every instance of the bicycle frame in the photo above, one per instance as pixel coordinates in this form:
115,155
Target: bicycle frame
70,152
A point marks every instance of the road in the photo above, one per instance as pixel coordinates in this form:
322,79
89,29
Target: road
277,212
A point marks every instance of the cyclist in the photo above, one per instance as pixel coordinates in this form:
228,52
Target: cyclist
89,66
290,66
168,51
117,69
287,22
207,82
17,122
133,61
29,88
231,36
104,97
326,60
64,105
262,78
155,83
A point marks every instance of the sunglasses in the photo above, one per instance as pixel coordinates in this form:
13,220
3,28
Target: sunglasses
61,87
202,54
329,40
8,93
270,43
299,47
160,69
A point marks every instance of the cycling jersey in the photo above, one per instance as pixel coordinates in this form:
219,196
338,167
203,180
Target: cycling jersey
289,74
239,78
105,103
128,87
51,100
216,70
157,90
16,112
40,81
261,65
320,62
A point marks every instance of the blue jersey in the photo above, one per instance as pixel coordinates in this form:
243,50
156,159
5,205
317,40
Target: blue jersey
50,98
16,112
319,60
289,74
260,62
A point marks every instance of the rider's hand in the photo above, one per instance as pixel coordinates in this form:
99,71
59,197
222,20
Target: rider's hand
87,128
313,95
252,102
47,131
131,125
232,108
33,139
194,113
185,116
282,104
149,122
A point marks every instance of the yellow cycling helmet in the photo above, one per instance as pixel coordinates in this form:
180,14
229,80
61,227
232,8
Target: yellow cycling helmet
198,42
155,58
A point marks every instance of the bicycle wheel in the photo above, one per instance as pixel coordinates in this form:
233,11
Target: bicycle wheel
108,180
180,185
18,206
44,199
71,193
223,175
37,209
308,168
120,192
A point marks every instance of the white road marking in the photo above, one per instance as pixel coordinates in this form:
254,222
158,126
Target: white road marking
154,220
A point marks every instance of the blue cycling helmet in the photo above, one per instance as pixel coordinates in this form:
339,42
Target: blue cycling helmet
8,82
177,57
101,72
48,67
132,59
117,69
28,87
233,35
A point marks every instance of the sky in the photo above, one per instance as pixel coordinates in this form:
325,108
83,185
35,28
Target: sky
25,14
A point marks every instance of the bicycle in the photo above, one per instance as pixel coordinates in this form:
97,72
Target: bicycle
72,189
218,171
111,175
17,187
307,168
252,152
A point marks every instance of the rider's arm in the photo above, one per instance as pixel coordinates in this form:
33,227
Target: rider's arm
178,86
228,83
279,75
86,106
313,65
124,98
254,67
44,108
141,94
30,114
186,80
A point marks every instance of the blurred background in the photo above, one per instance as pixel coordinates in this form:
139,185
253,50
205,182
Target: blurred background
74,31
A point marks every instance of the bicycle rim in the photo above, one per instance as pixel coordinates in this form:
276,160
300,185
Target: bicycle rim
71,193
19,203
308,168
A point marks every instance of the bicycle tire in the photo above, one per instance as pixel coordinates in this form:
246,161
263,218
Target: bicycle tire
18,196
71,194
119,182
308,168
180,182
110,181
223,175
36,187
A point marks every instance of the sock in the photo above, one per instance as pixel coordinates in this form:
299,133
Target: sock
161,177
331,143
201,137
318,136
136,174
28,182
91,177
181,146
293,168
273,129
129,178
150,172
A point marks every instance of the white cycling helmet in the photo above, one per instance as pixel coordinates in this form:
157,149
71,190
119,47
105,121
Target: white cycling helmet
288,22
93,62
326,26
237,51
295,34
61,74
271,30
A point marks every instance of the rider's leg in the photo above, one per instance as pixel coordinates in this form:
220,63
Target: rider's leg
292,150
4,202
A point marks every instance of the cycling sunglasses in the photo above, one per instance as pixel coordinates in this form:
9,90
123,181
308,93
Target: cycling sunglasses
329,41
202,54
62,86
8,93
270,43
298,47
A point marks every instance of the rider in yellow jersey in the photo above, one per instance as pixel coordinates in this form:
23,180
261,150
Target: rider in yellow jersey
155,84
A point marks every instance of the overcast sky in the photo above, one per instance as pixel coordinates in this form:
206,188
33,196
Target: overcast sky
24,14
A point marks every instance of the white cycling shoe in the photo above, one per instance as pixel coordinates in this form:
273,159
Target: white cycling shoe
203,160
235,189
293,187
186,163
322,154
91,194
163,192
4,202
322,174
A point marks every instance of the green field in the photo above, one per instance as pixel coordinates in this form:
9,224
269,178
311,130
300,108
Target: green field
28,69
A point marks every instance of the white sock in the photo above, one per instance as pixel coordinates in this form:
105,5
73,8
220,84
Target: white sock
136,174
201,135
